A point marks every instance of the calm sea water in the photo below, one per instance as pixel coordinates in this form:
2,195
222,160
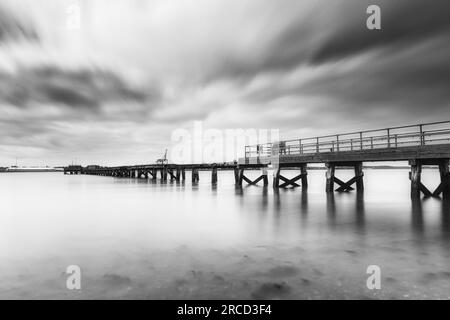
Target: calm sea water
147,240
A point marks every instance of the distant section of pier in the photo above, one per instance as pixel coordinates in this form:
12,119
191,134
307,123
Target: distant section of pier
421,145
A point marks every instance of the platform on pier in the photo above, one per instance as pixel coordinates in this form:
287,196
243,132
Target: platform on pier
440,151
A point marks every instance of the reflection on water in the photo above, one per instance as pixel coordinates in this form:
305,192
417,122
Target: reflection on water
151,239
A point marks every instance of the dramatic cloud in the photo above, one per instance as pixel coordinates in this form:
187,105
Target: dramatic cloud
83,89
115,89
404,23
12,29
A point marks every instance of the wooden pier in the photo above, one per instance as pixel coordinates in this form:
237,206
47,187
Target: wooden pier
420,145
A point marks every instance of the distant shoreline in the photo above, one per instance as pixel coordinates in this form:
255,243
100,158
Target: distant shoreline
5,170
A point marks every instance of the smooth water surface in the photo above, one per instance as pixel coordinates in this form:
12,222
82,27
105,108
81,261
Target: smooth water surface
146,239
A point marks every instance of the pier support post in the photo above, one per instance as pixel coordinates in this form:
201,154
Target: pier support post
183,174
276,177
331,170
304,173
359,174
236,175
265,178
415,176
172,176
214,175
344,186
195,175
241,177
445,178
417,186
178,174
164,174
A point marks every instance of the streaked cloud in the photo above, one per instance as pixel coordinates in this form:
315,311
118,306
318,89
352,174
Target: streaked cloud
84,89
12,28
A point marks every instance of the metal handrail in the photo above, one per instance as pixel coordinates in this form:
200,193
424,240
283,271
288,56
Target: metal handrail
423,134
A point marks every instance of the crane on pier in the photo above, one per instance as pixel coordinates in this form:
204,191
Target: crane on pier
163,160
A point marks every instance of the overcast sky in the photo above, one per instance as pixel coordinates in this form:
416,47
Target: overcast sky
114,90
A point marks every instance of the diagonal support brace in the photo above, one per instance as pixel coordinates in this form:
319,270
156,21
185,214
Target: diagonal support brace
262,177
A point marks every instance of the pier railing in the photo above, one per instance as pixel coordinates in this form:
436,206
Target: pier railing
395,137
